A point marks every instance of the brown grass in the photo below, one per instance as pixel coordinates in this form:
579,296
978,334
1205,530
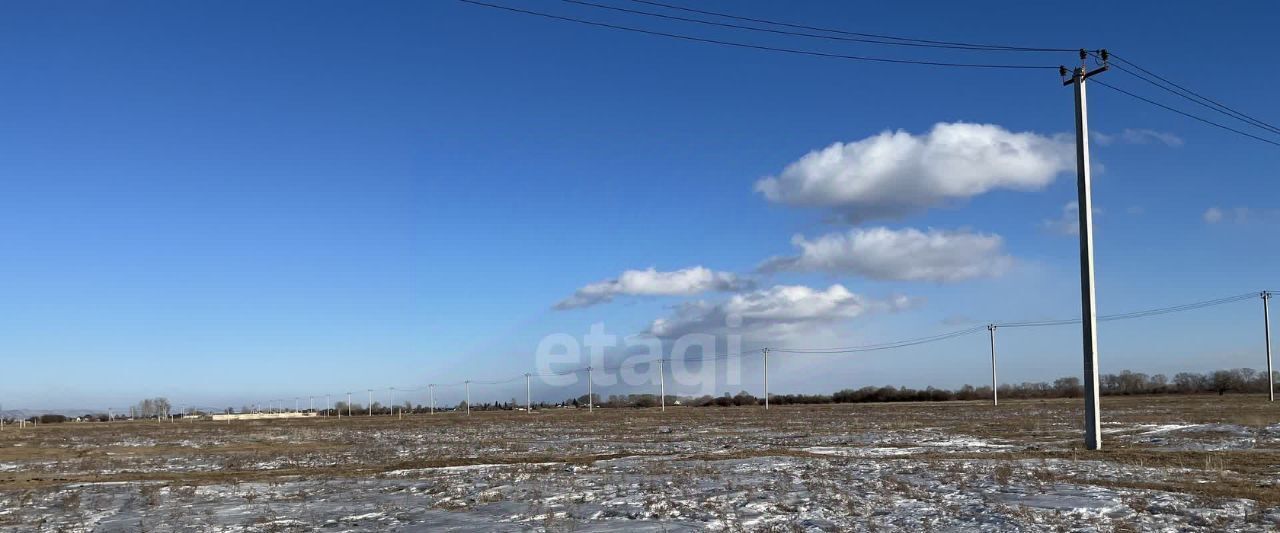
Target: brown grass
366,446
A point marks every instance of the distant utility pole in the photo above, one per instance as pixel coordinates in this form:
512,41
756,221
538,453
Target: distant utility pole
328,402
370,402
467,384
431,396
349,415
528,394
1266,330
662,386
391,399
995,384
1084,202
295,404
591,395
765,365
311,404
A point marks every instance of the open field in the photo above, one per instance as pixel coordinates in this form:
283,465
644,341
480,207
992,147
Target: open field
1204,463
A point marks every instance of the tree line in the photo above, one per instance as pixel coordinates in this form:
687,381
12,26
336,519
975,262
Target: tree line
1240,380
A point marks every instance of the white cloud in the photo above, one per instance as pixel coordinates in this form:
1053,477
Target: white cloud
1240,215
777,312
650,282
895,173
1138,136
1069,222
903,255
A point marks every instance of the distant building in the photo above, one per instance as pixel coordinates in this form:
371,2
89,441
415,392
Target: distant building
257,416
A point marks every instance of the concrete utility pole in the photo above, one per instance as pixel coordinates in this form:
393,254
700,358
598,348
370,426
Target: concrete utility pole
391,399
662,386
765,366
1266,323
311,404
528,395
995,384
370,402
591,396
349,413
431,397
467,384
1084,202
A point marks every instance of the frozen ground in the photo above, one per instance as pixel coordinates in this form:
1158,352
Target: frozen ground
1171,464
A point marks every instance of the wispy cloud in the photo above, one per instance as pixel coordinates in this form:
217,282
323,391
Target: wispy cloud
1068,222
651,282
901,255
1137,136
1239,215
778,312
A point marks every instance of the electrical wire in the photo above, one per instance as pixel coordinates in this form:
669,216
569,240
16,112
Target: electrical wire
1177,308
878,347
1183,113
1135,314
939,44
848,349
859,39
1244,118
498,382
736,44
1188,94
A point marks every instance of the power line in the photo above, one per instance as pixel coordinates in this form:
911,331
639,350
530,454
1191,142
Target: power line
633,364
1135,314
882,346
814,53
1178,308
859,39
1188,94
498,382
1225,111
1042,323
860,348
940,44
1184,113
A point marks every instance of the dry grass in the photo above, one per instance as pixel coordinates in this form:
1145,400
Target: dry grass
362,446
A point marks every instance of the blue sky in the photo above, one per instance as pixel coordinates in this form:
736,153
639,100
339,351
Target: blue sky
225,203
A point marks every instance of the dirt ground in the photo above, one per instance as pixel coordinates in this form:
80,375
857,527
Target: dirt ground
1206,463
